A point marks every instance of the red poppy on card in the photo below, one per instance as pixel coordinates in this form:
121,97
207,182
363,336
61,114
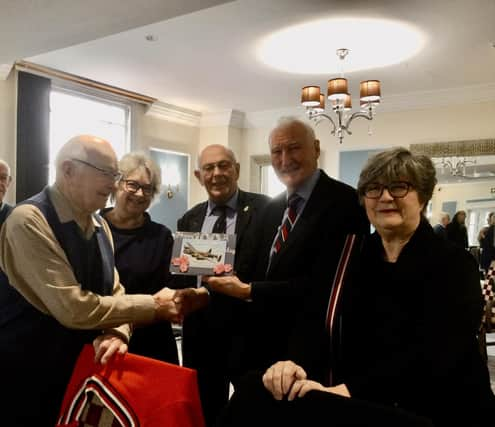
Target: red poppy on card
219,269
183,267
227,268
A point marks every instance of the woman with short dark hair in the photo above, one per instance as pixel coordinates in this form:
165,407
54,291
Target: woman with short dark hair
397,343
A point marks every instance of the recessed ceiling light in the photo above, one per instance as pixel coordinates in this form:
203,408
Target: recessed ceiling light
309,48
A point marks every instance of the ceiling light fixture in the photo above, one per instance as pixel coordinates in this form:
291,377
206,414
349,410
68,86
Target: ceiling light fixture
374,43
340,99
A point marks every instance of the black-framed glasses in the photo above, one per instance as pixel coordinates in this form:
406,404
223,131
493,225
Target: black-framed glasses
132,186
396,189
115,176
222,165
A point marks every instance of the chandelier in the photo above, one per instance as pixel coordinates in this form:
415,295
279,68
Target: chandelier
340,99
456,166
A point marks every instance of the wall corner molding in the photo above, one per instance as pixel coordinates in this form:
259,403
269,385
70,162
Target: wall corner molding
5,70
173,113
227,118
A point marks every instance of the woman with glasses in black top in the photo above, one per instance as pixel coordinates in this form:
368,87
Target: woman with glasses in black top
142,249
392,339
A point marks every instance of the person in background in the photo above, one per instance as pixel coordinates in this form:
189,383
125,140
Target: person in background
298,245
142,249
440,229
457,231
211,333
486,239
5,180
59,288
390,358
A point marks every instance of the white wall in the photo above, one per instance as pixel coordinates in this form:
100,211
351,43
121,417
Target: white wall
149,131
8,128
461,193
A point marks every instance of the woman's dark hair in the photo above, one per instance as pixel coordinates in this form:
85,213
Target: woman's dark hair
399,164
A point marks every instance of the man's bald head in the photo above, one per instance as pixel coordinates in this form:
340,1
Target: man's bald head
87,148
86,172
218,172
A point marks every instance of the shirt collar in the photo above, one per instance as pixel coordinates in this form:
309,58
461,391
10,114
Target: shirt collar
231,203
307,187
65,211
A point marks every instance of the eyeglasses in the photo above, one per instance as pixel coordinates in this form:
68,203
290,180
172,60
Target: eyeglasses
133,187
222,165
5,178
115,176
397,189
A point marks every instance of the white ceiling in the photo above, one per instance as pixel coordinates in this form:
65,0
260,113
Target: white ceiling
205,59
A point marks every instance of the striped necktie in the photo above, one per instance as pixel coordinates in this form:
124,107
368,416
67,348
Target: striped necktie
288,224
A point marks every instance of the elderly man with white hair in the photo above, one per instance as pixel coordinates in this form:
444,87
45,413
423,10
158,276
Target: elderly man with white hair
57,256
298,245
5,180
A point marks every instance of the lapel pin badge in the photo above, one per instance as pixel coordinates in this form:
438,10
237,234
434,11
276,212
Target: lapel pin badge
246,208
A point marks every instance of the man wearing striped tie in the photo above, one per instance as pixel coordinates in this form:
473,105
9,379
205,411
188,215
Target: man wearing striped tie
298,246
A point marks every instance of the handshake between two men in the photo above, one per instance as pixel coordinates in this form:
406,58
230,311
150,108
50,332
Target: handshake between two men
174,304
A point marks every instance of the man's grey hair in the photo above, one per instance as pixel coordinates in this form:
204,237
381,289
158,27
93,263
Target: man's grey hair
4,163
288,121
444,215
229,152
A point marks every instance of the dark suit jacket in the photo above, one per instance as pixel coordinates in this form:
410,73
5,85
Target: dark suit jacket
308,257
249,206
487,248
218,318
5,210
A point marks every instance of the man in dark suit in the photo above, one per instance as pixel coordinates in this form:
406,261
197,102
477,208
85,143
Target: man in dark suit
440,229
208,333
298,245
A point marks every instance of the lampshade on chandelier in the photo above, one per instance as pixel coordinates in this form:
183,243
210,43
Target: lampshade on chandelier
340,101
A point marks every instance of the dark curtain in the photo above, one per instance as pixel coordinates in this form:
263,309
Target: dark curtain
33,134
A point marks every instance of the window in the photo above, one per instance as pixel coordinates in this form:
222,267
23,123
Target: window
477,218
74,114
263,178
270,184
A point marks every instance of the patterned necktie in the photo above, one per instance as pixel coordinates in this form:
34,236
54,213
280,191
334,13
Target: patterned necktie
220,225
286,227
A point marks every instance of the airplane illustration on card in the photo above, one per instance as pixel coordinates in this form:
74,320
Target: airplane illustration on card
200,255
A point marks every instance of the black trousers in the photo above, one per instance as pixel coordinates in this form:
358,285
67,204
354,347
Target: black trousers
252,405
206,348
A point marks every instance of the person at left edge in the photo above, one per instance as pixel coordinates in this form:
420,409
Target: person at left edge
142,249
59,288
209,334
5,180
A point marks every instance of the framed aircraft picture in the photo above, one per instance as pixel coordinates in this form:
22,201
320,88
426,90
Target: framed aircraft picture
203,254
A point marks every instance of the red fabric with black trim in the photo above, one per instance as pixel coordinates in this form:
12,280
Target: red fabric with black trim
139,391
